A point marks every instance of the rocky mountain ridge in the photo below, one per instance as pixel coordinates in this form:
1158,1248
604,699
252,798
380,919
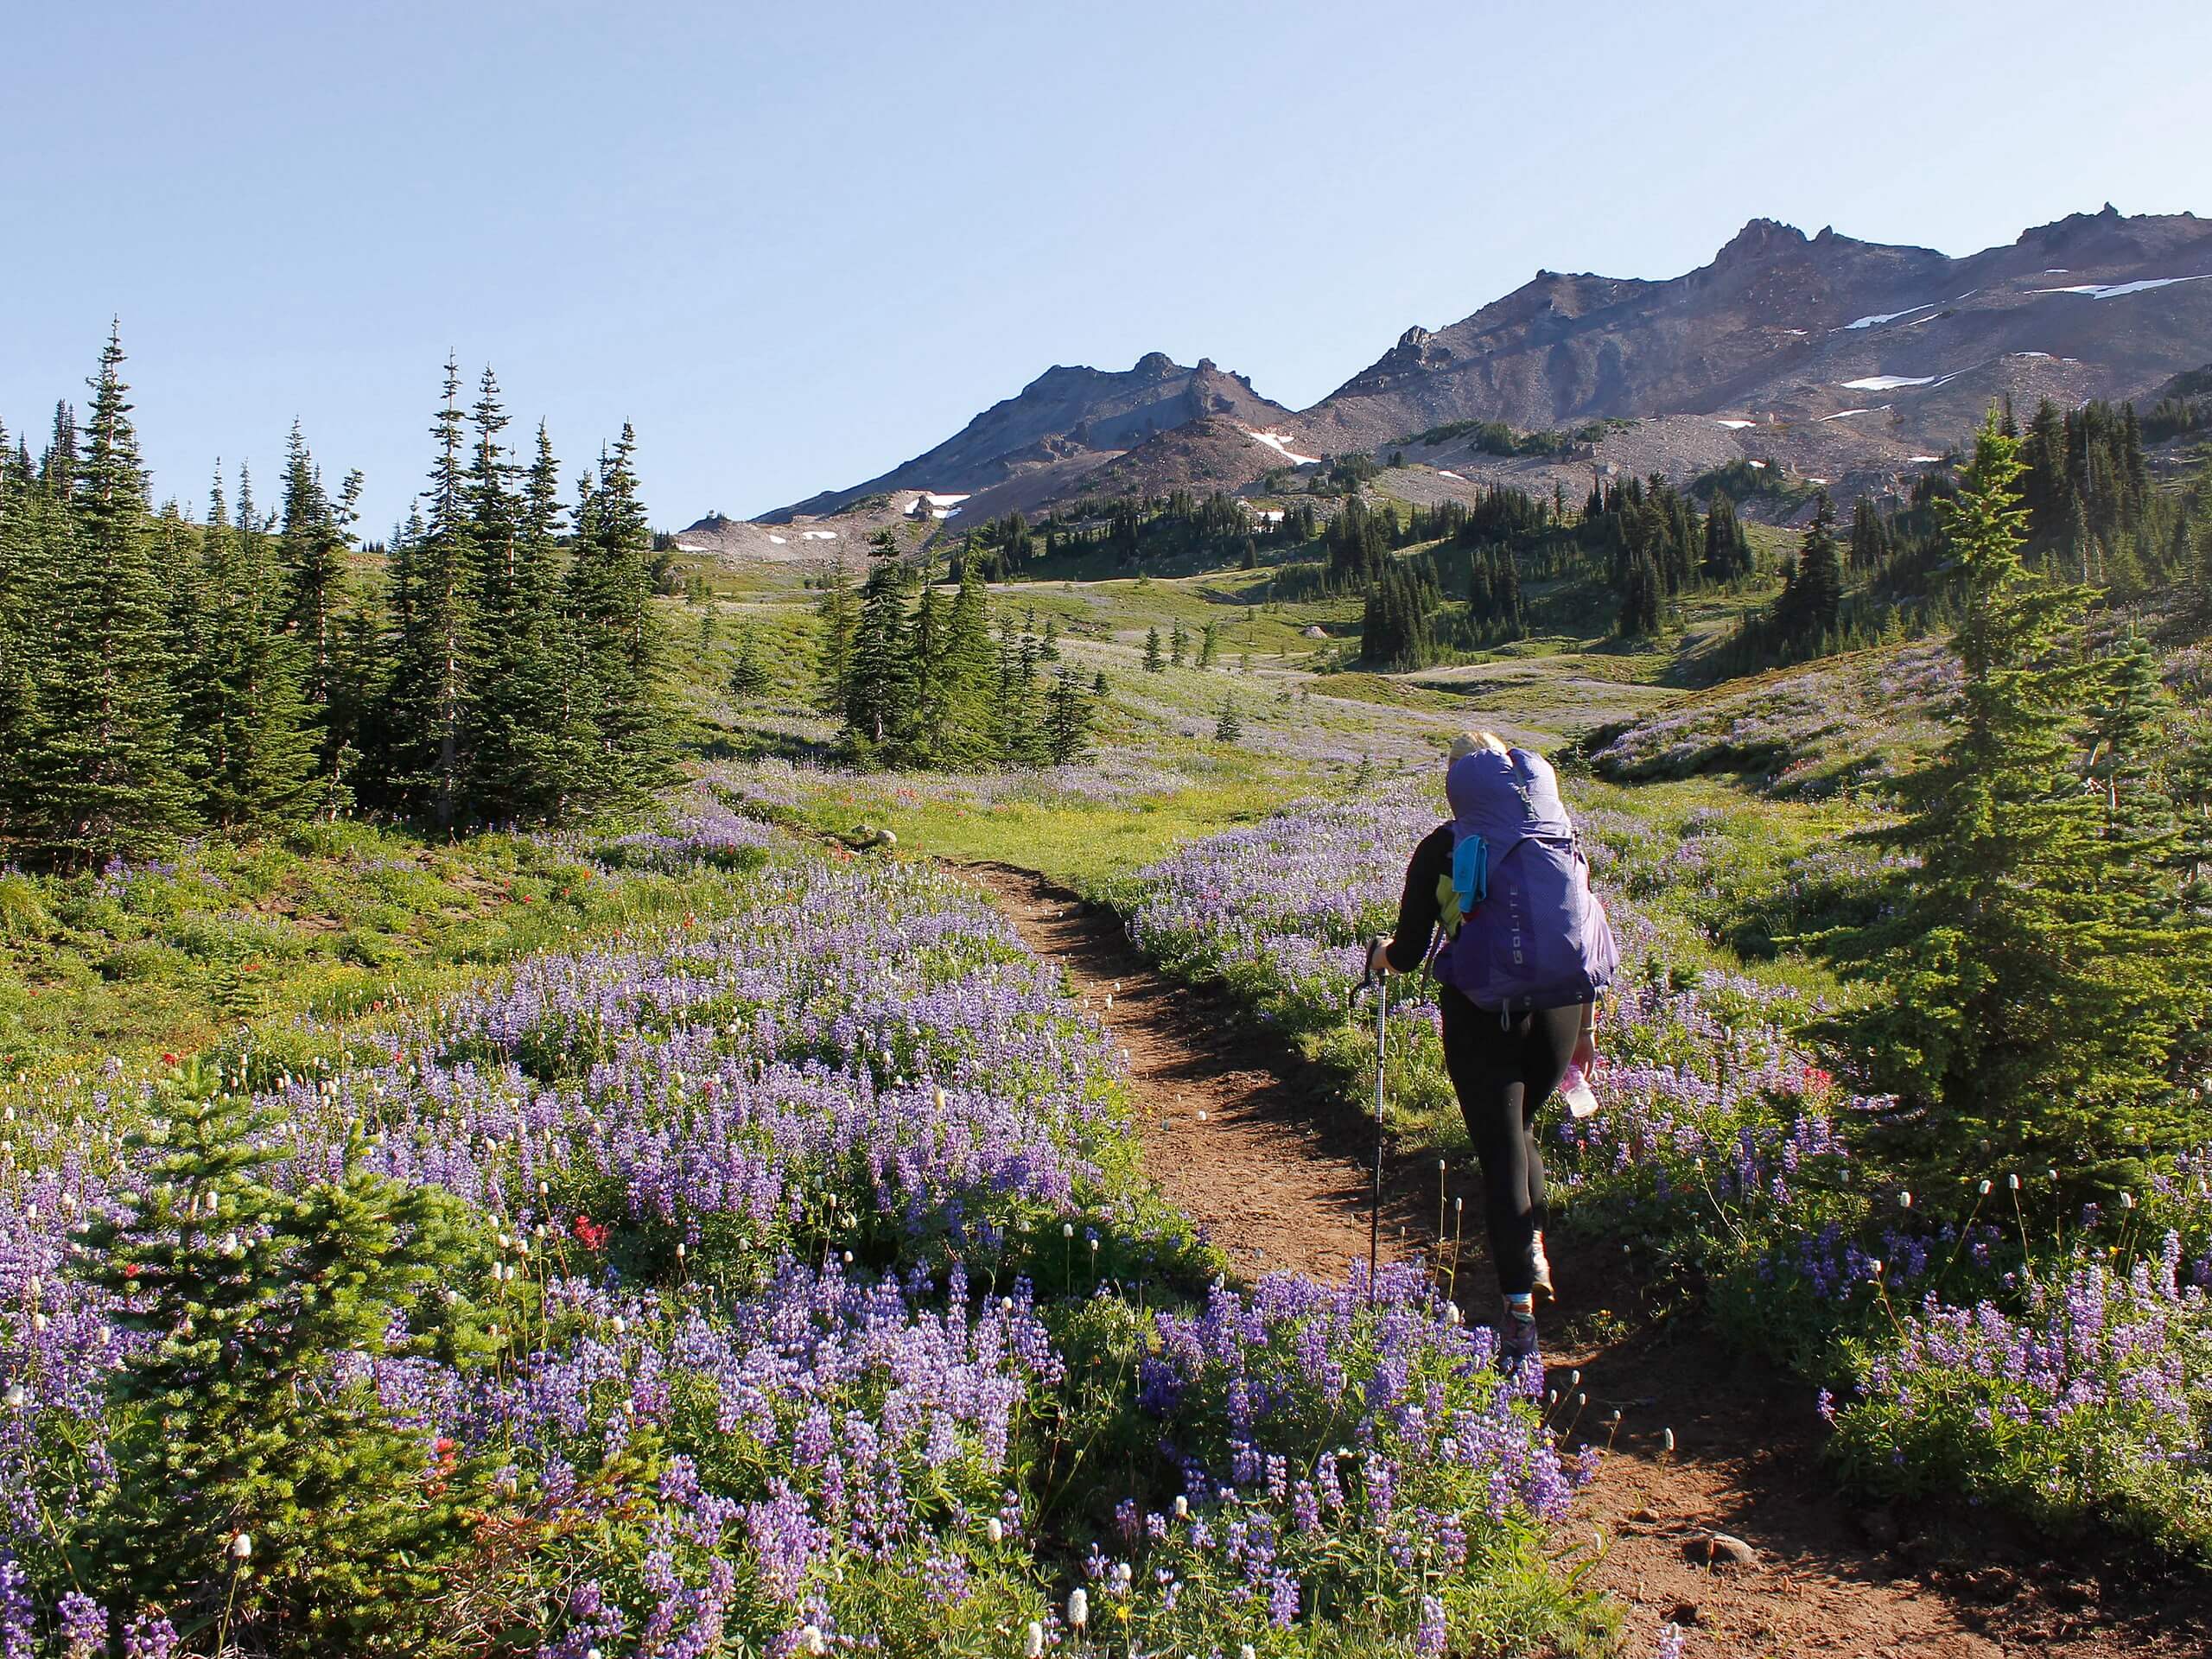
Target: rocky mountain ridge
1823,357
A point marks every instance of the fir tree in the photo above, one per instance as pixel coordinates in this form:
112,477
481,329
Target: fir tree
434,586
1178,644
314,549
100,774
1051,648
230,1418
932,620
1067,719
833,633
1229,726
1018,732
2035,976
1811,603
964,680
1154,663
1870,542
748,675
250,732
2130,726
23,611
1643,598
532,737
1209,644
879,708
619,646
1727,549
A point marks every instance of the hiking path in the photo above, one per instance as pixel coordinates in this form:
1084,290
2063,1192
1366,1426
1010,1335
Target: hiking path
1278,1175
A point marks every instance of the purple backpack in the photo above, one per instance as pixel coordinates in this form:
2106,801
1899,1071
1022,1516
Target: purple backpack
1522,928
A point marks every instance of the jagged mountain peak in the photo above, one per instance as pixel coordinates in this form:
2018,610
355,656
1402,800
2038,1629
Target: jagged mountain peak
1068,417
1860,354
1893,339
1760,238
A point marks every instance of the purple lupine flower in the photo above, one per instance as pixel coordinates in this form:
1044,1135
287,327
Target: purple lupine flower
1429,1638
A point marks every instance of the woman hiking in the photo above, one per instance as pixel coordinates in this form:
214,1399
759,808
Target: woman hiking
1524,954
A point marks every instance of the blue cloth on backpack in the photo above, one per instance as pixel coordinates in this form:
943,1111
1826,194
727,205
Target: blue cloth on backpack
1471,872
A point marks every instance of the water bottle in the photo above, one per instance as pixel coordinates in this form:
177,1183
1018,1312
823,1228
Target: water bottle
1574,1090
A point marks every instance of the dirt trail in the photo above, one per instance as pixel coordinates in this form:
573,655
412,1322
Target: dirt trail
1278,1175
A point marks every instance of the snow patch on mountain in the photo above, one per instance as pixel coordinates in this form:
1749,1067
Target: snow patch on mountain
1889,316
940,506
1889,381
2113,290
1280,442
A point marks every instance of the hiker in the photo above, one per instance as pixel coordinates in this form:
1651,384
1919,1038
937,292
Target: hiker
1524,954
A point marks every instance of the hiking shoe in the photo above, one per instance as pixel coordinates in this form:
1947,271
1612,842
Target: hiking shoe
1543,1285
1517,1338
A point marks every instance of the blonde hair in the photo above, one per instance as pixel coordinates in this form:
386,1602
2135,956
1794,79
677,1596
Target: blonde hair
1468,742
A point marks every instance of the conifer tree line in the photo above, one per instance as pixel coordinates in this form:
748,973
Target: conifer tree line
2047,956
917,678
162,676
2089,515
1132,532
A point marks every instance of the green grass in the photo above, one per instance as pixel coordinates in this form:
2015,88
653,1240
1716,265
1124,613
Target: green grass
1079,842
173,954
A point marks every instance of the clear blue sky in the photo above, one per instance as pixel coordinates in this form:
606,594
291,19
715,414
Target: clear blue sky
796,243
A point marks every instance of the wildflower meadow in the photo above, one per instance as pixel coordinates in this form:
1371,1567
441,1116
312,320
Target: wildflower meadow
1985,1343
776,1283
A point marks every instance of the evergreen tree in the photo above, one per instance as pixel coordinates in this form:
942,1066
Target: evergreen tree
1178,644
314,549
748,675
1643,598
2036,978
1209,644
619,646
2130,725
1228,727
243,1408
833,641
965,679
1154,663
1870,542
23,541
1727,549
1067,719
249,730
532,738
1051,650
1017,732
100,773
434,588
1810,606
931,622
879,708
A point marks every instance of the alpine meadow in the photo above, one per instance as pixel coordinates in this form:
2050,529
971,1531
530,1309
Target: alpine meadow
1552,1000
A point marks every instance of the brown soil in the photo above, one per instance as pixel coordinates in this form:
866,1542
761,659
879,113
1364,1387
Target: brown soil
1279,1176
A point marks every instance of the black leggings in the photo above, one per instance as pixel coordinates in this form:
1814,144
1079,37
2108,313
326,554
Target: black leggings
1503,1074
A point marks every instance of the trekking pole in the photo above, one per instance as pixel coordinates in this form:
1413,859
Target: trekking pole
1381,983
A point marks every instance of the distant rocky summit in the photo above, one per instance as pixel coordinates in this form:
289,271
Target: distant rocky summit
1792,359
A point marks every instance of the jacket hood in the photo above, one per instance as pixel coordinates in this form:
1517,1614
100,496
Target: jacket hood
1503,797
